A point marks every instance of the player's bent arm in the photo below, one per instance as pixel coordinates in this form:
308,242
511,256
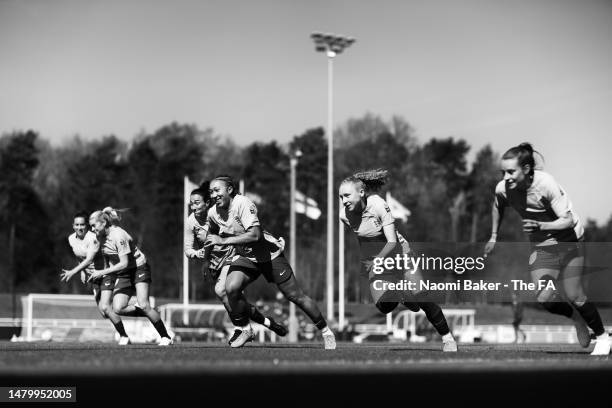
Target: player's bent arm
119,266
497,215
190,251
91,253
565,221
391,236
188,239
253,234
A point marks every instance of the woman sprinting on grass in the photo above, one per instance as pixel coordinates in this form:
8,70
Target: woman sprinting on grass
129,267
367,215
86,248
557,238
217,259
233,221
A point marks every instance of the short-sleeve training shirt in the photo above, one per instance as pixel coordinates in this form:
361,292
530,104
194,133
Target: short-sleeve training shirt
219,253
236,220
80,248
369,226
192,227
119,242
544,201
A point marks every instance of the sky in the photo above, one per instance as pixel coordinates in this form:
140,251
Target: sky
488,71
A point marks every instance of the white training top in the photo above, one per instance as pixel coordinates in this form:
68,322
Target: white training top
80,247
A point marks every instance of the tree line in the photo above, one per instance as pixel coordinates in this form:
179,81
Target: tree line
42,186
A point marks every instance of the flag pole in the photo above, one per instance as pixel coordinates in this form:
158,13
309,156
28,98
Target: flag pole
185,259
340,274
293,326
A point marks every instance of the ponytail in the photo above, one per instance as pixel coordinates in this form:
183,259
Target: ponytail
370,180
109,215
112,214
524,154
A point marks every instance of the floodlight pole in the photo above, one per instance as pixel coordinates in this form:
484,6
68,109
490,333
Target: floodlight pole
293,325
332,45
330,186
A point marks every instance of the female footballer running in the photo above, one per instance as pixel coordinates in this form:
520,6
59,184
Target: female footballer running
130,267
233,221
217,258
556,235
86,248
367,214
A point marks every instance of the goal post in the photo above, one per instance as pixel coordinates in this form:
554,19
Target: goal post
65,311
205,321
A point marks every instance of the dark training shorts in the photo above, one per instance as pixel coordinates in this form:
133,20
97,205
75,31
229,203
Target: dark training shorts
106,282
128,278
276,271
555,256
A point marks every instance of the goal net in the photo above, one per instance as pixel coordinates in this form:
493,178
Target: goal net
204,322
63,317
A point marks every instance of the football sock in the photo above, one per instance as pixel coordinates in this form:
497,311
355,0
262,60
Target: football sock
255,315
120,329
241,309
561,308
161,329
591,316
320,322
435,316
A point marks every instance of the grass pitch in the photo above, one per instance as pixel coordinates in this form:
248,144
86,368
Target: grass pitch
564,374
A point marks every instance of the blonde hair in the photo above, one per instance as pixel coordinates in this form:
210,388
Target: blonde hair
370,180
108,214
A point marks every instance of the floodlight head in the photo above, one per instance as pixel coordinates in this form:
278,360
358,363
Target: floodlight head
316,36
330,43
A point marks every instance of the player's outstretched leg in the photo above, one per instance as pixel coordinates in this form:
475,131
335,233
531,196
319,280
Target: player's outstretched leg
239,308
106,309
142,297
293,292
572,285
554,303
436,317
254,314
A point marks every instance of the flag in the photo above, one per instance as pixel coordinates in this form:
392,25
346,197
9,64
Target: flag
307,206
398,211
256,198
